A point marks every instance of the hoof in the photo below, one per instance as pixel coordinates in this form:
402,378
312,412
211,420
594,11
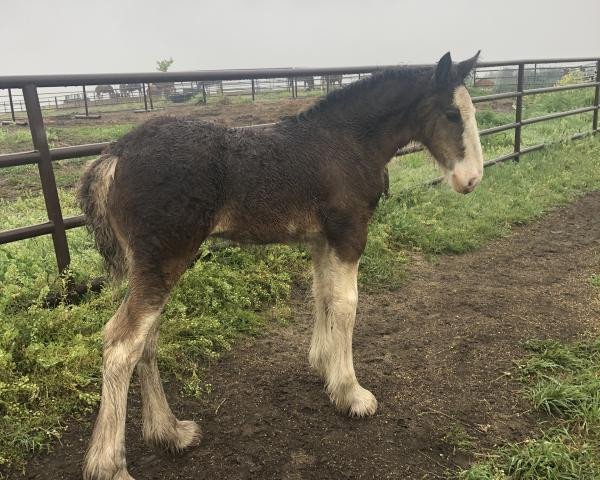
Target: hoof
358,402
176,438
363,404
123,475
188,435
95,472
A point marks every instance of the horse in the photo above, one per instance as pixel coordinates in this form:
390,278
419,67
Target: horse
484,82
163,88
208,85
127,89
328,81
105,89
307,81
156,194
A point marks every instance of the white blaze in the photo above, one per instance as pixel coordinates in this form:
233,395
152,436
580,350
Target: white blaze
468,171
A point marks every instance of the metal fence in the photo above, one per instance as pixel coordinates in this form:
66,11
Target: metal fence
91,100
288,78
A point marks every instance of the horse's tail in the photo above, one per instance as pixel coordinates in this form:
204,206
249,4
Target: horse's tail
92,194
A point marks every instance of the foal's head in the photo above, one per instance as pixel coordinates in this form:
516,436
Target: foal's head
447,125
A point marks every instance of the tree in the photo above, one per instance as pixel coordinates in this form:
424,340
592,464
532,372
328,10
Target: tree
164,64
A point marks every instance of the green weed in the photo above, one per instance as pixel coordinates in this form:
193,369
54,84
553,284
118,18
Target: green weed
561,380
459,439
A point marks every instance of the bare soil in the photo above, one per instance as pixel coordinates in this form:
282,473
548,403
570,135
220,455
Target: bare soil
231,114
437,353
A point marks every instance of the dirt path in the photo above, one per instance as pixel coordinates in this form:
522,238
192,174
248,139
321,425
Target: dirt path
434,352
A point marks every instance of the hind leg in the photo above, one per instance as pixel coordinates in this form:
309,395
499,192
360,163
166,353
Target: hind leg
124,340
160,427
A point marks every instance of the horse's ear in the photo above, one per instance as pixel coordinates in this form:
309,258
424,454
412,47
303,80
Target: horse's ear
443,71
464,68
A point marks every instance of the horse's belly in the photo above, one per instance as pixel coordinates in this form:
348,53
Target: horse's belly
265,229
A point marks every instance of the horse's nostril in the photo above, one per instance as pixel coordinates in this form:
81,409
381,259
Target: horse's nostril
473,182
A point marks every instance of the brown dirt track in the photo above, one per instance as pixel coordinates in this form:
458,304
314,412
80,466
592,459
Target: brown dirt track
228,114
435,353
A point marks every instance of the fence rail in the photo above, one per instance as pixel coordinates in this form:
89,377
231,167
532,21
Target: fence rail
144,96
43,156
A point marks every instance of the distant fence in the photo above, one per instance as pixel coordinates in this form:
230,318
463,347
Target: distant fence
43,156
145,96
91,100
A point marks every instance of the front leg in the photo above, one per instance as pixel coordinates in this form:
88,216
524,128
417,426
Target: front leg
336,296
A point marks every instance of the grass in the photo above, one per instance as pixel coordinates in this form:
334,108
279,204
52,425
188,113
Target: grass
459,439
562,381
23,181
49,359
15,139
437,221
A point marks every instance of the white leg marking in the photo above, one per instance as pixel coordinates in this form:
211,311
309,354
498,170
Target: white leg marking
160,427
336,296
105,458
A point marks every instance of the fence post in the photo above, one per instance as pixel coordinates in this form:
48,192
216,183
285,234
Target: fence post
519,110
40,143
253,90
145,98
84,102
12,106
204,93
150,98
596,98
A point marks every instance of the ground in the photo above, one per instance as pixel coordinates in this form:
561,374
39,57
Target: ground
228,113
438,354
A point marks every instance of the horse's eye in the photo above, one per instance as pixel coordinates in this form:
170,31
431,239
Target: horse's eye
453,116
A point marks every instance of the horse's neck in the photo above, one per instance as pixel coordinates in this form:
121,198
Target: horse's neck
376,121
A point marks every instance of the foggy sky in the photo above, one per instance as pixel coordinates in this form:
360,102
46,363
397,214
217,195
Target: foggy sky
79,36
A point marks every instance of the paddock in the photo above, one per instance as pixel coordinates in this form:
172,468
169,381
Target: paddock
440,358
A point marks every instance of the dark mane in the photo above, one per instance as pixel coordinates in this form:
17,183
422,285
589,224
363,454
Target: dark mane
357,89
